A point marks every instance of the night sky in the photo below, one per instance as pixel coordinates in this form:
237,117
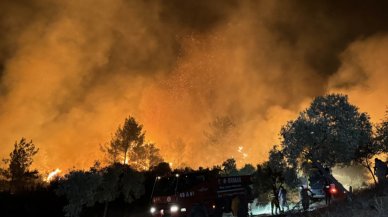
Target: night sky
208,80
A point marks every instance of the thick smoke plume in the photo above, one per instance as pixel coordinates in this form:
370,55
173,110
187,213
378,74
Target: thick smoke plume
207,79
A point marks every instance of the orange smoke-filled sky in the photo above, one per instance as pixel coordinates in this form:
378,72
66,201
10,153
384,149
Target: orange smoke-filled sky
208,80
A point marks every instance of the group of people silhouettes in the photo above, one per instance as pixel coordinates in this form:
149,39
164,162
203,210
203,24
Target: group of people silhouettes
278,197
278,200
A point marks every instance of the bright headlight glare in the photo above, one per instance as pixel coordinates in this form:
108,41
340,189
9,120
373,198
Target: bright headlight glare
183,209
174,208
153,210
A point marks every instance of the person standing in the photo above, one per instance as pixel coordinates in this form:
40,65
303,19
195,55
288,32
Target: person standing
282,199
326,190
305,199
274,201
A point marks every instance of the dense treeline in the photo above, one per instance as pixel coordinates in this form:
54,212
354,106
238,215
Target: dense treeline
331,132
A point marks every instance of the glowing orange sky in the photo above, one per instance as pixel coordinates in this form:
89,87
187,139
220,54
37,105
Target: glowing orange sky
72,71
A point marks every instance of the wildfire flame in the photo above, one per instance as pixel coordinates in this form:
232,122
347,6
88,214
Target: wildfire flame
53,174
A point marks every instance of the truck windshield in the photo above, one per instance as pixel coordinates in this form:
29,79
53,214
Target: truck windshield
188,181
165,186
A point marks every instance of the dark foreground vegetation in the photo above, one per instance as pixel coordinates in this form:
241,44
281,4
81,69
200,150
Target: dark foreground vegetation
45,203
371,202
331,132
116,190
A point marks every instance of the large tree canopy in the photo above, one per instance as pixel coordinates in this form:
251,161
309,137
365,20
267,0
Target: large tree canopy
330,132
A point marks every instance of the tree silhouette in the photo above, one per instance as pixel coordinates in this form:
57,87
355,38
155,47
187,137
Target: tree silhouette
145,156
161,169
125,140
381,137
229,167
86,188
273,173
80,188
18,172
247,169
378,146
262,181
117,180
280,171
368,147
127,147
330,132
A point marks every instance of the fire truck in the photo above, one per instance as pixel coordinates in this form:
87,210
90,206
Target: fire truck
200,194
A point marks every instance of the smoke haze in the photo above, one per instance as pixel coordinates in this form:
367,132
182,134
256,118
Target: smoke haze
208,80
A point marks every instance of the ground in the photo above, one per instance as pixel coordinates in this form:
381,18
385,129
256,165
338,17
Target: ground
372,202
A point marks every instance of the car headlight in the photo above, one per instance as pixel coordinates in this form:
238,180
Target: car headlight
174,208
183,209
153,210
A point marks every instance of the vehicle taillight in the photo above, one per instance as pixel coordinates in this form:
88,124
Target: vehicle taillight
333,190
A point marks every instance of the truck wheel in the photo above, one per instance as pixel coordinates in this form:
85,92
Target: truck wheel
198,212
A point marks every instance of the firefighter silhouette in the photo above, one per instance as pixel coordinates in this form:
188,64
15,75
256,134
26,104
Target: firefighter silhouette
326,190
282,199
380,170
305,199
274,201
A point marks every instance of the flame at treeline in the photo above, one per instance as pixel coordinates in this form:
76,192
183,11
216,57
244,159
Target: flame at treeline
52,175
208,80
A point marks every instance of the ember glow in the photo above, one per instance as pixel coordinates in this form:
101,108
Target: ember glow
72,71
242,153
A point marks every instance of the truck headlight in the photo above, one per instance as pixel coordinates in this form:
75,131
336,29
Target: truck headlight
152,210
174,208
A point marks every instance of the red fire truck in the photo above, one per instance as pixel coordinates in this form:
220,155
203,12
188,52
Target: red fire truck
200,194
